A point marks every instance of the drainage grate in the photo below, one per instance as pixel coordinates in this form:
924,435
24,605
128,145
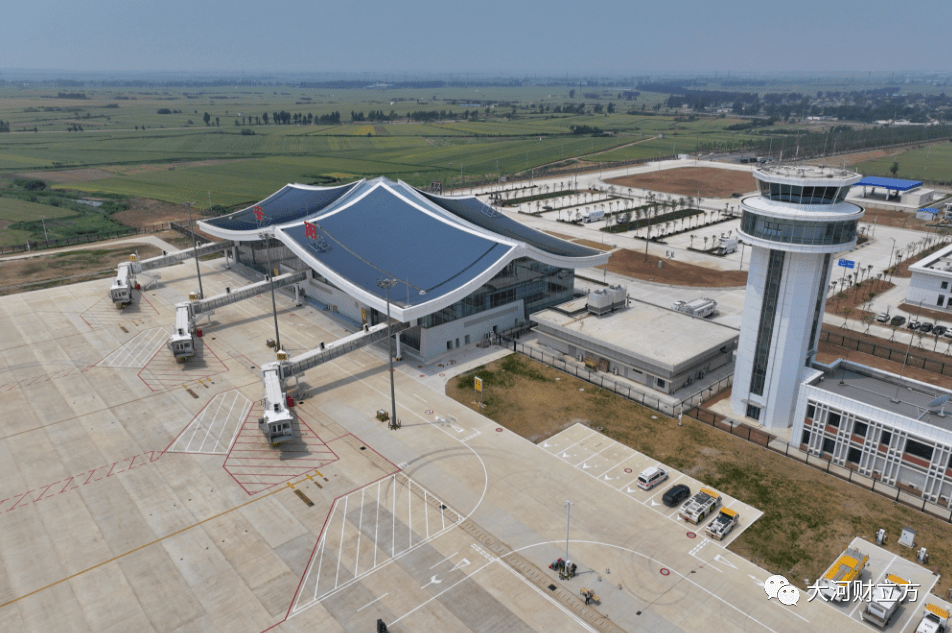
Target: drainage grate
553,588
363,448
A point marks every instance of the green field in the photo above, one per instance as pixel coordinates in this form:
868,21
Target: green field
14,210
115,142
932,163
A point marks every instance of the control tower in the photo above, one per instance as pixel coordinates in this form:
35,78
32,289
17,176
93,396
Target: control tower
795,226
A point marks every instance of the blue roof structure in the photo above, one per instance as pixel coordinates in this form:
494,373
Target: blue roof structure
290,204
895,184
438,249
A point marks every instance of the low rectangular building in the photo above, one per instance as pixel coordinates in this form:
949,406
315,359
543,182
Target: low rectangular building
886,427
931,281
657,347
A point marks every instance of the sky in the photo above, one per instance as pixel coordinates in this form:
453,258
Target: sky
511,37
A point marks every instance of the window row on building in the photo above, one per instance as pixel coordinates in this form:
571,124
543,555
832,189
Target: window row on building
797,231
803,194
880,451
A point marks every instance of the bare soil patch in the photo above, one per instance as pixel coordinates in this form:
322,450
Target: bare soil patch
144,169
677,273
596,245
689,181
68,267
561,236
829,351
809,516
145,213
892,217
852,298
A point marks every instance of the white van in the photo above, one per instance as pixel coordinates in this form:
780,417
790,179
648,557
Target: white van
651,477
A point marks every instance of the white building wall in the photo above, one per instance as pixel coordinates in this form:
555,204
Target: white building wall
888,465
926,286
439,340
803,274
338,300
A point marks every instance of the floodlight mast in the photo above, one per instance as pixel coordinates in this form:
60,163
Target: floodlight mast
387,284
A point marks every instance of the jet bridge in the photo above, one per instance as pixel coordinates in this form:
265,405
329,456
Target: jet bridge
182,341
276,423
125,282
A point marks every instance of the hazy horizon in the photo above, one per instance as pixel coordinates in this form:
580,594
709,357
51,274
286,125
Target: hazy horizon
423,37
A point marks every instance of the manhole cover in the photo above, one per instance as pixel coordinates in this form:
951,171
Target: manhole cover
498,430
665,571
627,470
429,411
692,535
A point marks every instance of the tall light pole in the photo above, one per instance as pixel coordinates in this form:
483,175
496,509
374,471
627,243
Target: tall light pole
201,293
387,284
568,519
274,306
891,253
45,236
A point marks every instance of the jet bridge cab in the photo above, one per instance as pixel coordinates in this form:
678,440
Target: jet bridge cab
182,341
276,425
122,286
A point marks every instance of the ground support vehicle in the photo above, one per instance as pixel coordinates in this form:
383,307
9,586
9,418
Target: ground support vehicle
725,521
701,505
887,596
934,620
835,583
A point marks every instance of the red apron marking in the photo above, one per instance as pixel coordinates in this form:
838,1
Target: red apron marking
20,499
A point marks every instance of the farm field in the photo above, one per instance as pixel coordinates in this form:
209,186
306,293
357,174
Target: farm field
931,163
14,210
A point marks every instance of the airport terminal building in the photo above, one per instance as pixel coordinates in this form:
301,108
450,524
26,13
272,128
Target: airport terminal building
462,270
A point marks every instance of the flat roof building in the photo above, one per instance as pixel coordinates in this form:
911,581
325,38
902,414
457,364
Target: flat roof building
884,426
931,281
659,348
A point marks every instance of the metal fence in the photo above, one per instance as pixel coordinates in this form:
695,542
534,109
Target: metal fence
899,493
556,361
882,350
35,245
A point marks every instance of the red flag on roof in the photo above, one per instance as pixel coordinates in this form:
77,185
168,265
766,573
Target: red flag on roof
259,212
310,231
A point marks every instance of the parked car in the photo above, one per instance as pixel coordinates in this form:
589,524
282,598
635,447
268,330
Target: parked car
939,330
925,328
882,317
913,325
651,477
675,495
947,334
897,321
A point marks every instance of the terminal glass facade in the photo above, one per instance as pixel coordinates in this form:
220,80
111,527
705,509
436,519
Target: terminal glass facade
539,286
